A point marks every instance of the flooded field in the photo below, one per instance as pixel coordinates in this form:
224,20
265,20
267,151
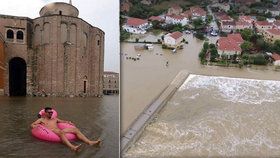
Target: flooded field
213,116
95,117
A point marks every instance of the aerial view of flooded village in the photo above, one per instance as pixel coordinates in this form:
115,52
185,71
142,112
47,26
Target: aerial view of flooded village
59,79
200,78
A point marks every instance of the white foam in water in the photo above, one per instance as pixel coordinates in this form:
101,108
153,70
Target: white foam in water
236,90
210,117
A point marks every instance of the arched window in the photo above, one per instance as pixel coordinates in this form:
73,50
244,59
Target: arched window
10,34
20,35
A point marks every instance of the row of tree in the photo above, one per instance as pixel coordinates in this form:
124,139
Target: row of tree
256,42
209,49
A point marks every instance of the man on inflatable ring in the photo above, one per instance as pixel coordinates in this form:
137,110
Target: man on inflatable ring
51,123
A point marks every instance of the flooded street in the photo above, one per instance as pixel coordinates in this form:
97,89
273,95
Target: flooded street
142,80
215,117
95,117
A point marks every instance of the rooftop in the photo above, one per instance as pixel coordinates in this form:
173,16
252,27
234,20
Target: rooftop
135,21
176,34
230,43
228,23
244,23
274,31
275,56
263,23
179,17
156,18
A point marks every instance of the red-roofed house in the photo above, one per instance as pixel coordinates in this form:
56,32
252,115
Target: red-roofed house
263,25
276,59
176,19
243,25
271,35
236,37
230,45
222,17
248,19
176,9
156,18
173,40
198,12
137,26
228,26
187,14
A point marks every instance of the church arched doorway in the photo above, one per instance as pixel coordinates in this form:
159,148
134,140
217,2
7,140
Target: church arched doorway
17,77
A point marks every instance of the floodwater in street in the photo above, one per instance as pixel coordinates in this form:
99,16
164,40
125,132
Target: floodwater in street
95,117
143,80
213,116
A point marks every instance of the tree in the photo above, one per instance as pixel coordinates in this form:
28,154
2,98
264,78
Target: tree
199,35
209,19
246,46
276,46
261,18
124,35
205,45
212,46
247,34
198,24
214,53
259,60
202,55
156,24
177,27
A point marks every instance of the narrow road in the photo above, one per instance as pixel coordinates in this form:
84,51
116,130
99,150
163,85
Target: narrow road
213,22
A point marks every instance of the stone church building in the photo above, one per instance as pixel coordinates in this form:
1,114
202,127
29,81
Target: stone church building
57,54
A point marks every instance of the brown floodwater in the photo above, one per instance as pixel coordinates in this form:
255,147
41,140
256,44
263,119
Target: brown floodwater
213,116
142,80
95,117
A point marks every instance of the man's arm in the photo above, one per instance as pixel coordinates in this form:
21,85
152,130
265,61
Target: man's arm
34,124
64,121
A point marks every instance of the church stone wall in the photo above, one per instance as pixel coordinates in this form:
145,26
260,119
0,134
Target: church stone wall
64,54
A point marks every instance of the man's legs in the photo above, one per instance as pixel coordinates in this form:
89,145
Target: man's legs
61,134
80,135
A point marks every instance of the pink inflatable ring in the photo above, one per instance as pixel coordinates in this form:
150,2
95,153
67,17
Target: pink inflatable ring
43,133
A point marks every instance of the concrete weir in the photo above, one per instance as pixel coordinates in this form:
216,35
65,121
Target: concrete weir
135,130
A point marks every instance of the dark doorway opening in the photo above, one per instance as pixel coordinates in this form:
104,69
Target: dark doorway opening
17,77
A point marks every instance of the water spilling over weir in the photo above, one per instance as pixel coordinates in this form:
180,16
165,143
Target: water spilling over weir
214,117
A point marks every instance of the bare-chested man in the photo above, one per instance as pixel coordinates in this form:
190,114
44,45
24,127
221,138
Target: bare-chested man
51,123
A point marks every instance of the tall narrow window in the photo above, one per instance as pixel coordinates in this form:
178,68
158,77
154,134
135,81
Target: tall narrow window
19,35
98,42
85,86
60,12
10,34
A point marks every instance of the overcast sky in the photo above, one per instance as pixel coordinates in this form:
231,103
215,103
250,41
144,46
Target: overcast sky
100,13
